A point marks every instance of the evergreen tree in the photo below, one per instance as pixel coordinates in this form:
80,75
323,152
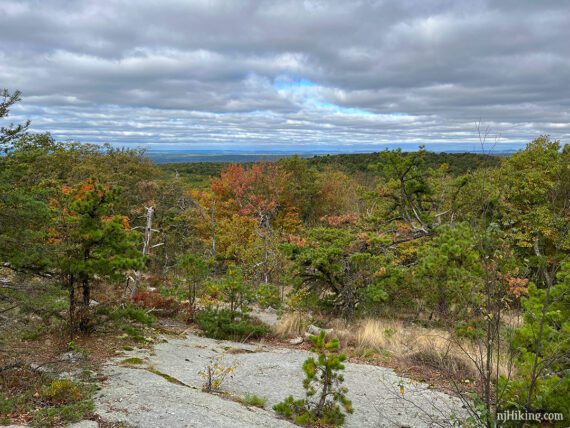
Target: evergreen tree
10,133
325,397
90,241
449,273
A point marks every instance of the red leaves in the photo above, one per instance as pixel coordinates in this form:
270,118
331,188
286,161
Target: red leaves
297,240
339,220
255,191
154,300
516,286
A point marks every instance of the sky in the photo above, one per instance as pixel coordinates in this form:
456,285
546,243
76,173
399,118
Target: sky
288,74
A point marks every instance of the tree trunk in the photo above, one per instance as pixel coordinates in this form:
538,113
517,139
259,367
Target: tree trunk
71,286
86,291
85,280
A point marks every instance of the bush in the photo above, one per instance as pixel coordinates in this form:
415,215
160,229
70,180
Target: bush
153,300
133,313
215,374
221,324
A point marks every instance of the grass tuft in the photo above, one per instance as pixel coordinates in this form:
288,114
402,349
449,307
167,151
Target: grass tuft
255,400
291,325
132,361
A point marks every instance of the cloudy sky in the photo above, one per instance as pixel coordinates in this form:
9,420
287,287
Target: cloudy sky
288,73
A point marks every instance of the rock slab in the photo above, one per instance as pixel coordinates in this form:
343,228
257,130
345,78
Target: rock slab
138,397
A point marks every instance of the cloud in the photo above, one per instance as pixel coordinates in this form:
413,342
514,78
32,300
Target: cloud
289,73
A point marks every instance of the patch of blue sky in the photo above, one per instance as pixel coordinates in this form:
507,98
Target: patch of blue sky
288,83
339,109
306,93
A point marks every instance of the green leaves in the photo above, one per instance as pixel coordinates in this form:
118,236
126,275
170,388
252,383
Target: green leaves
449,274
536,187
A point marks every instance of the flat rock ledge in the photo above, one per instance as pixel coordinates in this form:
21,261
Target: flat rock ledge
165,390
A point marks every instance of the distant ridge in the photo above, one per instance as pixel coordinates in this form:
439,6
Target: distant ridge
176,155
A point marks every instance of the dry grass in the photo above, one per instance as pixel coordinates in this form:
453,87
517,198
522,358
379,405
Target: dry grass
430,347
292,324
435,348
415,345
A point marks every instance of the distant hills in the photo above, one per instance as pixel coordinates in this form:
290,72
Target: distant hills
250,154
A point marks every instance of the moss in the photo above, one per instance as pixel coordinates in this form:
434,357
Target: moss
233,351
167,377
132,360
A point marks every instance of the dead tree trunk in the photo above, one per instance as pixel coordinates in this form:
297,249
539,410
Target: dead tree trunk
145,250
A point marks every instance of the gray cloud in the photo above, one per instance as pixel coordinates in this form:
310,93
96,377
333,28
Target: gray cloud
291,72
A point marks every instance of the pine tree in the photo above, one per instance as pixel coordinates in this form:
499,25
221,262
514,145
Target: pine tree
90,241
324,393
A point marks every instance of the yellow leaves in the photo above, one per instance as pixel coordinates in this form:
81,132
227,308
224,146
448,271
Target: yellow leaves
216,373
53,202
403,227
289,221
53,236
381,272
61,391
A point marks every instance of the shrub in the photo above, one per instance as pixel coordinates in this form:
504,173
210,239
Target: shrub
268,296
61,391
215,374
324,393
133,313
232,291
221,324
153,300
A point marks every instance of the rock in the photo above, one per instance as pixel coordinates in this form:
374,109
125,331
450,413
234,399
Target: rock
313,330
84,424
296,341
71,356
93,302
40,368
271,372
